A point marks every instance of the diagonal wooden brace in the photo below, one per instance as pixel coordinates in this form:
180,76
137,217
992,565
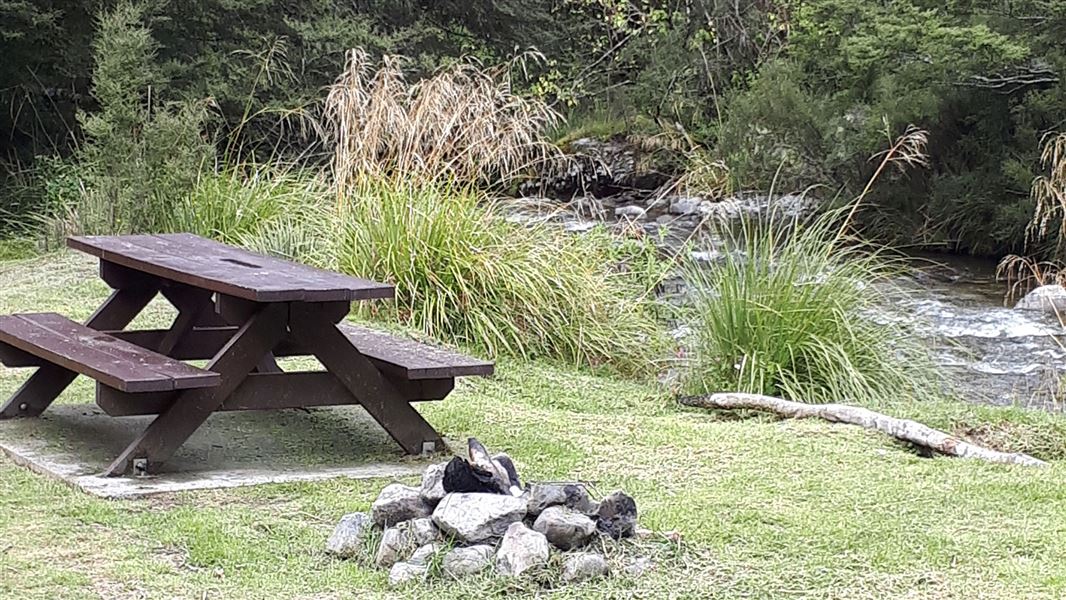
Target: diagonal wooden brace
255,338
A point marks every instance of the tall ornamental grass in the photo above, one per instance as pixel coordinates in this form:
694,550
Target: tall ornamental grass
795,310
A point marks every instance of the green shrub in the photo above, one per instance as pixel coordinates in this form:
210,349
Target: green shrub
140,154
794,311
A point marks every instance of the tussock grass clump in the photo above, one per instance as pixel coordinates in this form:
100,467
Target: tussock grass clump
464,123
464,273
794,310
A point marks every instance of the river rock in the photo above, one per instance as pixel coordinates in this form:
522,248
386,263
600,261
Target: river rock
422,531
433,484
398,503
521,549
349,535
403,573
1047,298
474,518
571,495
685,205
564,527
461,562
423,554
395,544
617,516
584,566
629,211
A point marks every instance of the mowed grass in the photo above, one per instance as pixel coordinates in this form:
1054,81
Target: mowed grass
766,508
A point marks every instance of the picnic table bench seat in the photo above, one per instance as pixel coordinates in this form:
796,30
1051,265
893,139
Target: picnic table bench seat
110,361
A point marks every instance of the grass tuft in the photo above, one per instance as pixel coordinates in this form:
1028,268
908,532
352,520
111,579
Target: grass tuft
793,310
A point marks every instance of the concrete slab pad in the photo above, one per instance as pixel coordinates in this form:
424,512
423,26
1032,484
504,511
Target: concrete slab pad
76,442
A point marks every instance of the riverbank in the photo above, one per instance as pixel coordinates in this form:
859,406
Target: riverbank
766,508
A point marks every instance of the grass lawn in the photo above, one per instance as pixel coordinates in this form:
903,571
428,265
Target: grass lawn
767,508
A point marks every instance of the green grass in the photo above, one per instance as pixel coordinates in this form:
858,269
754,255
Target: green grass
793,310
767,508
463,273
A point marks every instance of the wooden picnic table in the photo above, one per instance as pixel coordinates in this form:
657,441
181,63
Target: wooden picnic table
239,311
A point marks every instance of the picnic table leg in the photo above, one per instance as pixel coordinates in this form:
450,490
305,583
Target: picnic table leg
191,408
49,381
315,330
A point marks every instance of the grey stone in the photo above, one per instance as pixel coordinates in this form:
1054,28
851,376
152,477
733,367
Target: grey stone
398,503
395,544
564,527
617,516
422,531
403,573
685,205
349,535
521,549
571,495
475,518
639,566
629,211
423,554
433,484
1047,298
461,562
584,566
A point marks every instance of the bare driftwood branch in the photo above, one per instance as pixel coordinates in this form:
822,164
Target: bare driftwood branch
903,429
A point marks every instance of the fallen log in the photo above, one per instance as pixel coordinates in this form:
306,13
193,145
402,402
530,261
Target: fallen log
903,429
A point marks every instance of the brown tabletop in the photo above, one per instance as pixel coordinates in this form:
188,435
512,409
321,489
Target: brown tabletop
210,265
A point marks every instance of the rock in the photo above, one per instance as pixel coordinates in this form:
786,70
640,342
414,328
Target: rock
617,516
422,531
432,484
1047,298
395,544
629,211
475,518
423,554
403,573
685,205
584,566
639,566
564,527
571,495
521,549
398,503
461,562
349,535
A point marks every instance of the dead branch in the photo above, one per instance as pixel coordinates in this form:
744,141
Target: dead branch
903,429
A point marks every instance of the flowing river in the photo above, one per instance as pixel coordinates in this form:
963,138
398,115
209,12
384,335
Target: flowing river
988,352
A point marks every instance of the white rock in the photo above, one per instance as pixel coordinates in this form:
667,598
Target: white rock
349,535
461,562
395,544
584,566
476,518
564,527
1047,298
422,531
398,503
433,484
521,549
403,573
572,495
424,554
629,211
685,205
